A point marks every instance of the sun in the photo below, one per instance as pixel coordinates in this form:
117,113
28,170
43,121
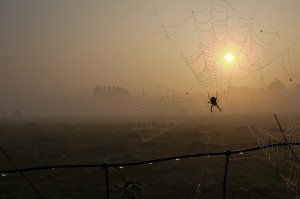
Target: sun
229,57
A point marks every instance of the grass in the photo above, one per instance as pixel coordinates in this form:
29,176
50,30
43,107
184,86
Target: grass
44,142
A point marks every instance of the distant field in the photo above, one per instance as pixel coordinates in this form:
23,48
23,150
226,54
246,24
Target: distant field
85,141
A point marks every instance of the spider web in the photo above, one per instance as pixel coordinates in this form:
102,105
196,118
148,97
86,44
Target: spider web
284,159
196,45
158,109
221,30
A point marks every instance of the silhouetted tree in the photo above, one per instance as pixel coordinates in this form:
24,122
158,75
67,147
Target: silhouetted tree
114,92
276,85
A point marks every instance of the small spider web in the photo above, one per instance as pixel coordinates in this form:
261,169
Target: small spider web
284,159
158,109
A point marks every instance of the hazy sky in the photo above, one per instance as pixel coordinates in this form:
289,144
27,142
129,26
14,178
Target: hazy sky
62,49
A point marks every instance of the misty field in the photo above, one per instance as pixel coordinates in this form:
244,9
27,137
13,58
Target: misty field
40,142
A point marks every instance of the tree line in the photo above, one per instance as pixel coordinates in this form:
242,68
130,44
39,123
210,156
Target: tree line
109,92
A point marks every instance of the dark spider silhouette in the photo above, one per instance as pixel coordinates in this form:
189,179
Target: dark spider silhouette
214,102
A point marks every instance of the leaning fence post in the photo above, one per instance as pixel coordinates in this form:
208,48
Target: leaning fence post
106,179
227,154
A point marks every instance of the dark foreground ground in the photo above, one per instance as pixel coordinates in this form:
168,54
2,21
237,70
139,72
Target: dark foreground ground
40,142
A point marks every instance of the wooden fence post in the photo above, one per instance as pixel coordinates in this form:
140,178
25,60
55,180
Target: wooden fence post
106,180
227,154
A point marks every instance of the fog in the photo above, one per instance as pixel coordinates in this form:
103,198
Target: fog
106,100
54,54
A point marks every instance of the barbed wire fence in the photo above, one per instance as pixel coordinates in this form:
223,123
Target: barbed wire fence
106,166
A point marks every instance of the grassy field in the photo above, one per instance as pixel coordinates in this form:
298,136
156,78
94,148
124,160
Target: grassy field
37,142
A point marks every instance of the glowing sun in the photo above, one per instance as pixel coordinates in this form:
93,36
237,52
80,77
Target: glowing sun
229,57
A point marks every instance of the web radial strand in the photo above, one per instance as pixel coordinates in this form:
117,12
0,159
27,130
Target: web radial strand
284,159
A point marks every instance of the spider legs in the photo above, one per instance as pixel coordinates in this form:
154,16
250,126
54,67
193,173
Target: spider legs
219,108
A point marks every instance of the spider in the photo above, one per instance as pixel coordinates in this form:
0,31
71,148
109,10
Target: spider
214,102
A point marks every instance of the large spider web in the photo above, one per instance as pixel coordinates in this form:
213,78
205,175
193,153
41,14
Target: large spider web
221,30
198,44
284,159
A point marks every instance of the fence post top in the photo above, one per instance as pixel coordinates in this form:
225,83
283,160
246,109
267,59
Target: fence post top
228,152
105,165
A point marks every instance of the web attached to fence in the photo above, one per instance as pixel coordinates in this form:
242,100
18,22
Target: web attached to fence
285,159
226,41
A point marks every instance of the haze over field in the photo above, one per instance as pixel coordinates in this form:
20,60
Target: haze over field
53,55
149,99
